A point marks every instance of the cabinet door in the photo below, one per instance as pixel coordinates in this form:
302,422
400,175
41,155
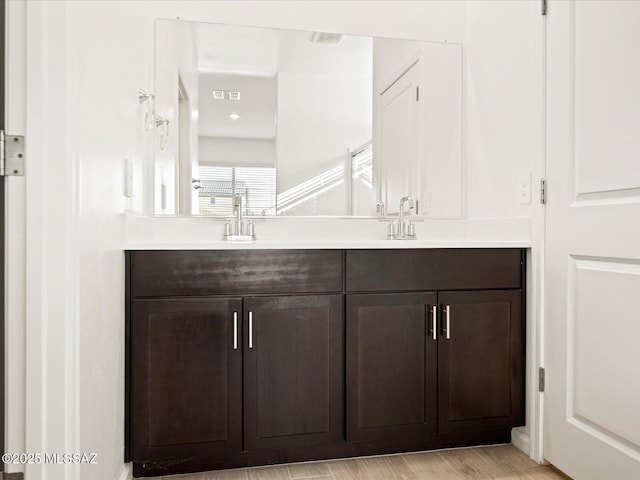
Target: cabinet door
480,360
391,366
186,378
293,371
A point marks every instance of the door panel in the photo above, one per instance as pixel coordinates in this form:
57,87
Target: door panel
480,363
391,366
399,140
592,240
185,378
293,371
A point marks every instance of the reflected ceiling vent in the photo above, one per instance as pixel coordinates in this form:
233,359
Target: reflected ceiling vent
222,94
322,37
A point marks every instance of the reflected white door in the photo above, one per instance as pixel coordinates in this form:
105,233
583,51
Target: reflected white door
592,321
399,140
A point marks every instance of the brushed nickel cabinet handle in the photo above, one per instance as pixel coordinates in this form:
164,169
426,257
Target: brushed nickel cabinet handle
434,321
250,329
235,330
448,316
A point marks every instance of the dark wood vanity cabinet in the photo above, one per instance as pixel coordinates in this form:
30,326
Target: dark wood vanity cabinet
186,390
252,357
293,371
480,367
391,366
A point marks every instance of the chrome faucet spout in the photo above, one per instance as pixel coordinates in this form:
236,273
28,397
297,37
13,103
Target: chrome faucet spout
237,206
234,229
401,223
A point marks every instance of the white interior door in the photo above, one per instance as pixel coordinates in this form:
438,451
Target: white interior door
592,321
399,140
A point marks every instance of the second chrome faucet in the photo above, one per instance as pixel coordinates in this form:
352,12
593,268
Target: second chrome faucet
238,231
403,230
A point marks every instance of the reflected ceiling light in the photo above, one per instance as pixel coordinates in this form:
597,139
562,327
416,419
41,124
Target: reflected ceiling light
323,37
234,116
218,94
234,95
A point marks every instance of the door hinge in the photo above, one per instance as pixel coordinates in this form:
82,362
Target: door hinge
12,154
544,7
417,94
541,379
543,191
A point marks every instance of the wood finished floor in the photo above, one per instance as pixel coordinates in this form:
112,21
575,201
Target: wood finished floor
502,462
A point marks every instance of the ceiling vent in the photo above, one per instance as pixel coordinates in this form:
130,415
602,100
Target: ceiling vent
222,94
322,37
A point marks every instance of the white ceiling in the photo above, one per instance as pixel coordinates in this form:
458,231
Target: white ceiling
248,59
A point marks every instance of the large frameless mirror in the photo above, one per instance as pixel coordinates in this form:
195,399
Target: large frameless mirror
303,123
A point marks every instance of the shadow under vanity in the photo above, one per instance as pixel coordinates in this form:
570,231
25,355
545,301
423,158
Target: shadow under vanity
253,357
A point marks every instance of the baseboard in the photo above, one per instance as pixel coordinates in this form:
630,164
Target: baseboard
521,440
125,473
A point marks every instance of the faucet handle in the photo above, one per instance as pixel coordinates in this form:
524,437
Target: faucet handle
391,231
411,229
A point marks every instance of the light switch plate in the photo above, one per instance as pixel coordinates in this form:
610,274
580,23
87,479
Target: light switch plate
524,187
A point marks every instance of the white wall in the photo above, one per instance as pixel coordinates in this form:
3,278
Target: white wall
504,116
82,119
85,64
250,152
175,56
320,117
504,104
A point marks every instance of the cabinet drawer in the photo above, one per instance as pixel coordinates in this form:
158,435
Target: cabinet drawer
432,269
215,272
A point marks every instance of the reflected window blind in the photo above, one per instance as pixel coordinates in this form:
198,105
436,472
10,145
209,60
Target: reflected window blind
257,185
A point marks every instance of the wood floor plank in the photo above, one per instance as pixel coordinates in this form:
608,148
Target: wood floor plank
544,472
500,462
324,477
308,470
269,473
513,463
390,468
506,459
235,474
351,469
468,464
430,465
188,476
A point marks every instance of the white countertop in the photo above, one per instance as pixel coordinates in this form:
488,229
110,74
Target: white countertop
184,233
328,244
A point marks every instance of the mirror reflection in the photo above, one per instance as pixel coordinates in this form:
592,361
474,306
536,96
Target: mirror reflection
297,123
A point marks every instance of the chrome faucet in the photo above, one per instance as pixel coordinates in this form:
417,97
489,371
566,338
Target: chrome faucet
402,228
236,232
403,231
237,209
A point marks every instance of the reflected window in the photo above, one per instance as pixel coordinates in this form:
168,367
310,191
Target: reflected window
257,185
362,193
